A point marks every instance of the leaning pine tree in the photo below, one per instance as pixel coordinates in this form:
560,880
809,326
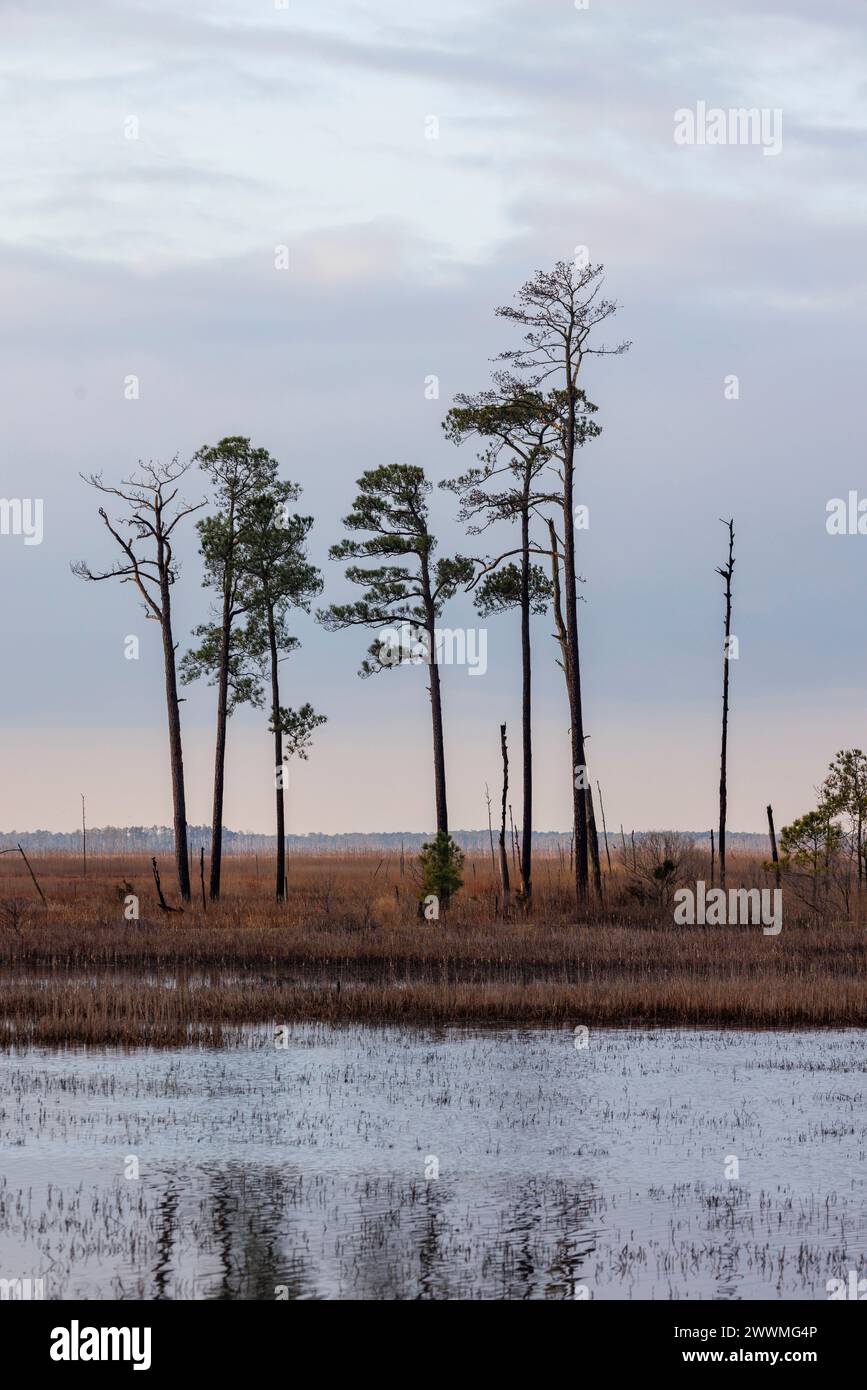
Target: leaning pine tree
561,311
405,590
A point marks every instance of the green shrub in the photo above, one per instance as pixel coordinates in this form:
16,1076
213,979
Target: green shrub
442,863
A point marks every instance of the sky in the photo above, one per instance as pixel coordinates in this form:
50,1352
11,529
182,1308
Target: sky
418,163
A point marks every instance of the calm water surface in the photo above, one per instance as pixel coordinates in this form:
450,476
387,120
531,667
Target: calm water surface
308,1171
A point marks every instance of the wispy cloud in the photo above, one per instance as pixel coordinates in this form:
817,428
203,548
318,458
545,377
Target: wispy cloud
308,127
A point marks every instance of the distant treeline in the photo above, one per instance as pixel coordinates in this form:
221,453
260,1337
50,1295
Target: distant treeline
155,839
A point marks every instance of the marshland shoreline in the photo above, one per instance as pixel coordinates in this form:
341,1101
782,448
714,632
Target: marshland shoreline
347,946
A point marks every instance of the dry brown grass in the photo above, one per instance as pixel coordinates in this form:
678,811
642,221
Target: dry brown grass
348,945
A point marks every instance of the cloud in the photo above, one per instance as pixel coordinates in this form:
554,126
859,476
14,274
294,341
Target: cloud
156,257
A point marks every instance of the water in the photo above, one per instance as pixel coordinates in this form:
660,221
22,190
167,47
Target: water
308,1171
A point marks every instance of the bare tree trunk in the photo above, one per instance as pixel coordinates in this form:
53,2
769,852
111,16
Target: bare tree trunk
711,860
439,755
579,804
491,833
220,748
774,856
593,842
579,773
279,767
726,572
176,753
439,748
30,871
526,713
504,858
604,826
160,895
516,853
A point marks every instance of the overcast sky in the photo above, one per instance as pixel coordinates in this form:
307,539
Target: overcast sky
307,127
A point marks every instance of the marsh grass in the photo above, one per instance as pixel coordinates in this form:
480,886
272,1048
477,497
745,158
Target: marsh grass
348,945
